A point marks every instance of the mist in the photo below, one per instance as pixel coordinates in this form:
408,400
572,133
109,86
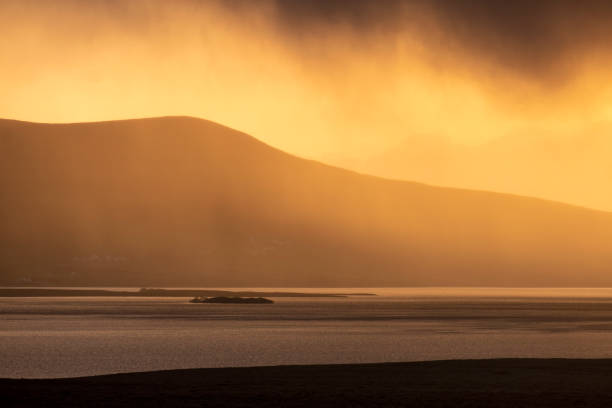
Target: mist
347,84
183,201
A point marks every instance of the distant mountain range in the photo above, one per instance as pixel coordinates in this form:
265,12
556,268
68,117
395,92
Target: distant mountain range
572,167
179,201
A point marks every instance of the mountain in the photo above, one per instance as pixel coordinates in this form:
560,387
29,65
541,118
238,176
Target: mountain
572,167
183,201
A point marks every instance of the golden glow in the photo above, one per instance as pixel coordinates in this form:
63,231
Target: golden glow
326,96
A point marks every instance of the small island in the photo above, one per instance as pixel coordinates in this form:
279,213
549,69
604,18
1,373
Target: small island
233,299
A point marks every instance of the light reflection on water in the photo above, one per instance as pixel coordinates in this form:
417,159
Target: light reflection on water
65,337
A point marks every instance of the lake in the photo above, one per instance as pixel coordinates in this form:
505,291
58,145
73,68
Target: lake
79,336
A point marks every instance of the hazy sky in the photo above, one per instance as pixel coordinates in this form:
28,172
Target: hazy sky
482,94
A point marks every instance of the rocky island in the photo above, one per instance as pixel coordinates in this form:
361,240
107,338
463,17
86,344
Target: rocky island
233,299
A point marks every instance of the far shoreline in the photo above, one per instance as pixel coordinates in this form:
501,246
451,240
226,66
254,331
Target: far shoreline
159,292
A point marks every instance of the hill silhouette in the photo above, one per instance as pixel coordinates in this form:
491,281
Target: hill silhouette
570,167
184,201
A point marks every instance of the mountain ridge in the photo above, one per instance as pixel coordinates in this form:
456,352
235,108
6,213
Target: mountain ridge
130,201
320,162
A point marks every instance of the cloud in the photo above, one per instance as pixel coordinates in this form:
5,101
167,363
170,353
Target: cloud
334,80
538,39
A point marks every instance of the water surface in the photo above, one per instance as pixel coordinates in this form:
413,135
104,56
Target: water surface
76,336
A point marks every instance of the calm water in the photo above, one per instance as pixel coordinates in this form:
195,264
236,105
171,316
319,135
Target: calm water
66,337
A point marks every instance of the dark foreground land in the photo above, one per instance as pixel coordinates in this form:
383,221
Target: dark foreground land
468,383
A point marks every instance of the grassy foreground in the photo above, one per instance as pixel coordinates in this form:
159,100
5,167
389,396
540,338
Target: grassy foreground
458,383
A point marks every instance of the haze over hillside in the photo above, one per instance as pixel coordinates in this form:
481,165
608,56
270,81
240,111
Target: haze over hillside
184,201
496,95
572,167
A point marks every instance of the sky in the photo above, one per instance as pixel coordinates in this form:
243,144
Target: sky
486,94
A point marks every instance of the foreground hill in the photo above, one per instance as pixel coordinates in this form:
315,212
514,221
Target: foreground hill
183,201
461,383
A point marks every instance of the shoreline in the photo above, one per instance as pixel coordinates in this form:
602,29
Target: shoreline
474,383
155,292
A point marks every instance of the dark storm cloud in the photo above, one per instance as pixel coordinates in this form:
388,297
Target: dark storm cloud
544,40
530,37
536,37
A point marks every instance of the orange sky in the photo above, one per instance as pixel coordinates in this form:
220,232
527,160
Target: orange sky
413,102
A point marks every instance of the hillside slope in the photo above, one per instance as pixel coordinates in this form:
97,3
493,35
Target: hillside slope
183,201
